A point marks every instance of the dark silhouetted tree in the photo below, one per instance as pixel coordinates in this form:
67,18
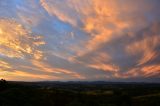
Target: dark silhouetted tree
3,84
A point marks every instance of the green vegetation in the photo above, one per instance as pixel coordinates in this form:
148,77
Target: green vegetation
78,94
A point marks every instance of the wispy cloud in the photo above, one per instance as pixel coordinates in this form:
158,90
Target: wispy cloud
79,39
18,42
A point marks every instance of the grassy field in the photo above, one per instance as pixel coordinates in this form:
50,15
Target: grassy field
79,94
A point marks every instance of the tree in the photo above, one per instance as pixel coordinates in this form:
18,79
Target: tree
3,84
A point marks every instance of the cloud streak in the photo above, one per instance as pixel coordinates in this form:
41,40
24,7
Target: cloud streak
18,42
80,39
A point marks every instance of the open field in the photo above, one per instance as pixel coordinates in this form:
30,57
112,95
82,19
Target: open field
79,94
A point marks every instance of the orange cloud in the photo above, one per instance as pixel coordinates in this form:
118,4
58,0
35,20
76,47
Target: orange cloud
30,75
146,47
143,72
16,41
95,26
100,62
105,67
11,72
134,72
151,70
102,20
40,65
52,8
22,75
4,65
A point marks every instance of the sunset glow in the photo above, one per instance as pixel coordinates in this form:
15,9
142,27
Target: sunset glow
110,40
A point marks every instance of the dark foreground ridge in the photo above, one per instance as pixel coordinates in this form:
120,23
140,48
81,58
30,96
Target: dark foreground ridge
98,93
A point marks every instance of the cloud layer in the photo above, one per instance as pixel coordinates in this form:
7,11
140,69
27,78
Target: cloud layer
80,40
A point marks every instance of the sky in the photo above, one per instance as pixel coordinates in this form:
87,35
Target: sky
80,40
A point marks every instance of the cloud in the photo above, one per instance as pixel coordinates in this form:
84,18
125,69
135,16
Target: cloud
18,42
79,39
105,67
151,70
26,13
99,61
4,66
50,69
143,72
103,20
146,47
17,75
